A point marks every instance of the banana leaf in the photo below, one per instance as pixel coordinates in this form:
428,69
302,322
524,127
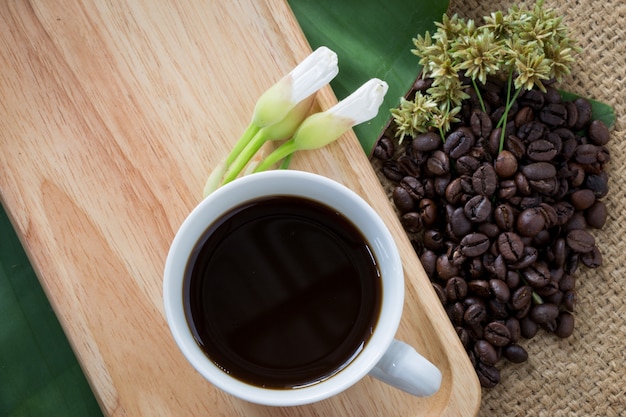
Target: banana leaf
372,39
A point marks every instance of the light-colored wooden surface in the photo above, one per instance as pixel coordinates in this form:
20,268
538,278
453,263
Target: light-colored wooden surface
111,116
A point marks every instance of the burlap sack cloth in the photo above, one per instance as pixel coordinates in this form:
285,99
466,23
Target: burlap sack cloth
584,375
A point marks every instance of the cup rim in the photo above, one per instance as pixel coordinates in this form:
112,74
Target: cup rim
295,183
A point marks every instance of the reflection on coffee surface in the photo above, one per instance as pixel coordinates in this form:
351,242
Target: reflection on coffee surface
282,292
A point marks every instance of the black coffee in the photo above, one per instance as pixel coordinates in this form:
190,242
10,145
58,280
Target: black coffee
282,292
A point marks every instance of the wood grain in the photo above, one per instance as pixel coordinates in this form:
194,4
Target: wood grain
113,114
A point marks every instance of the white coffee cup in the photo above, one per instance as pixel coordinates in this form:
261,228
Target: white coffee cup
383,357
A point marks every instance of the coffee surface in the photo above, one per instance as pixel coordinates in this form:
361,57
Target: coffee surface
282,292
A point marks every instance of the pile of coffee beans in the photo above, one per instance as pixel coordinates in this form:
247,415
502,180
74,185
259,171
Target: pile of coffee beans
501,233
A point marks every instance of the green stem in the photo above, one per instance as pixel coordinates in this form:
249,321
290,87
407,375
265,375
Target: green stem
244,156
286,161
480,97
505,116
243,141
279,153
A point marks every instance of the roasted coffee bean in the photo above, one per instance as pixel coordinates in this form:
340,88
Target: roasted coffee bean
507,190
539,171
485,352
485,180
515,145
497,334
481,124
455,313
598,184
572,114
541,151
582,199
554,115
384,149
456,289
475,314
583,107
569,300
580,241
506,164
459,224
564,212
479,287
445,268
497,310
523,116
522,184
474,244
549,214
392,171
504,217
490,229
459,142
433,240
510,246
413,187
454,191
532,131
500,290
428,259
576,222
409,166
522,297
464,336
426,142
544,313
586,154
598,132
530,222
592,259
528,328
412,222
428,211
515,353
533,99
466,165
536,275
548,186
514,329
564,325
549,289
488,375
441,183
403,200
438,163
478,208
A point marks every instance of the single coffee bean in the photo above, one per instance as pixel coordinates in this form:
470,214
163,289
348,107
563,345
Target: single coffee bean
506,164
522,184
474,244
582,199
490,229
580,241
455,313
412,222
549,214
475,314
479,287
554,115
428,259
445,268
428,211
466,165
456,289
515,145
403,200
514,329
500,290
464,336
532,131
544,313
530,222
528,328
598,132
576,222
539,171
485,180
478,209
584,113
537,275
426,142
598,184
564,211
497,310
572,114
541,151
413,186
549,289
433,240
441,293
409,166
569,300
481,124
384,149
523,116
522,297
510,246
564,325
504,217
497,334
533,99
488,375
507,190
459,142
515,353
529,256
392,171
485,352
454,191
459,224
586,154
438,163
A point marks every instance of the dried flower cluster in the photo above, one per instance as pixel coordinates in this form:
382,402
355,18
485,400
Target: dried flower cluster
527,47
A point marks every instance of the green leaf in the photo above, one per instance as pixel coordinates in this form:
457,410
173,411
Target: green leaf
372,39
39,374
599,110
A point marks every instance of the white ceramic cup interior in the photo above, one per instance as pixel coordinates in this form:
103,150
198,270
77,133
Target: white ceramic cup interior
394,362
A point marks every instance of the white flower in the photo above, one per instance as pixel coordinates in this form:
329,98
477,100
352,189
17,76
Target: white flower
313,73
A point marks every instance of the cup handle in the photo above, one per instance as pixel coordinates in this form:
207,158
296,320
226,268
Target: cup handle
403,368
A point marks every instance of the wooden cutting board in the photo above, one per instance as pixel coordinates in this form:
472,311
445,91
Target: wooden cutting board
112,115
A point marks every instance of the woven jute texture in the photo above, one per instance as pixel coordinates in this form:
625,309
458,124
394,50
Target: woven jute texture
584,375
